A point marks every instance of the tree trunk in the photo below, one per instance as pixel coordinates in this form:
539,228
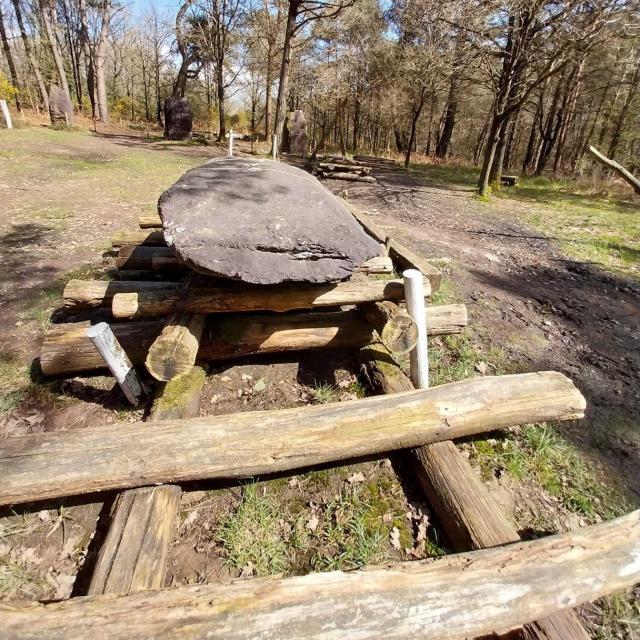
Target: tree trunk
12,67
620,121
88,56
417,110
489,155
283,89
100,60
450,116
222,127
31,57
47,20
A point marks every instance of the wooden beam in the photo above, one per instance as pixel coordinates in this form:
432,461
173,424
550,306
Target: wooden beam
379,264
139,257
124,237
134,554
469,515
86,294
49,465
66,349
174,351
230,298
618,168
395,327
456,596
149,221
403,257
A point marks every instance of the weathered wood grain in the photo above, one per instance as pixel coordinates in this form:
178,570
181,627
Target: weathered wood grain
173,353
235,298
140,257
134,553
86,294
124,237
149,221
398,332
467,512
452,597
48,465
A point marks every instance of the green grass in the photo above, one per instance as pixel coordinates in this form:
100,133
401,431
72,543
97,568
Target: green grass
592,222
322,393
251,535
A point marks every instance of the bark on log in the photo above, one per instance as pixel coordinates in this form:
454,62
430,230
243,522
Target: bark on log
86,294
466,510
456,596
149,221
617,167
174,351
142,258
134,553
148,238
398,332
49,465
349,177
403,257
236,298
66,348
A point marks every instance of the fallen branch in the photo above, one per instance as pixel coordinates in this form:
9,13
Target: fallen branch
617,167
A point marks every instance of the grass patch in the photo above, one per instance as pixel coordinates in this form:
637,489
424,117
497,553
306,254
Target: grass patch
18,578
323,393
619,616
538,454
251,536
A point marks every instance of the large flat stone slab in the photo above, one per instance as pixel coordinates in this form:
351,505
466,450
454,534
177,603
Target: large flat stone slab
263,222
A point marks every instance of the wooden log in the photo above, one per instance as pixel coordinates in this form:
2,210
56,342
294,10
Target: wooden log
152,238
66,349
149,221
465,509
402,257
509,181
349,177
115,357
174,351
379,264
455,596
242,297
398,332
134,553
49,465
618,168
85,294
141,257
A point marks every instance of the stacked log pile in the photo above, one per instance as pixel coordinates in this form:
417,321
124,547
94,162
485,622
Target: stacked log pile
340,168
173,325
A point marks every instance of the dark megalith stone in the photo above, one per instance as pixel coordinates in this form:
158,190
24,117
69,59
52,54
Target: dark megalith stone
60,107
263,222
178,120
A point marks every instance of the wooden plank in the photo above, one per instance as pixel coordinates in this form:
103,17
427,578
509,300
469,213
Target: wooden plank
231,298
403,257
456,596
66,349
138,257
86,294
49,465
398,332
173,353
465,509
124,237
149,221
134,553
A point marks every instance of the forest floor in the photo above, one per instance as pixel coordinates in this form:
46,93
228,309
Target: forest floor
550,277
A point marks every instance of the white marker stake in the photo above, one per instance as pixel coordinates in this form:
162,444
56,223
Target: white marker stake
231,143
275,147
116,359
419,357
6,114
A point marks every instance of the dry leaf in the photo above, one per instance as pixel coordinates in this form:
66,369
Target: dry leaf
248,571
191,518
356,477
294,482
482,367
313,522
395,538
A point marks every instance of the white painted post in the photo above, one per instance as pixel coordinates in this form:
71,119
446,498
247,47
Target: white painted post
231,143
116,359
6,114
419,356
274,149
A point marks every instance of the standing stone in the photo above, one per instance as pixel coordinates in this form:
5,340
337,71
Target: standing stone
178,120
297,128
262,222
60,107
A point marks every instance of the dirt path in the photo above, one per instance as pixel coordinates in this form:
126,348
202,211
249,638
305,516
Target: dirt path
528,299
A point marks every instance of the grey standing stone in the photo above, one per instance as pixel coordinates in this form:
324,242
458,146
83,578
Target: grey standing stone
60,107
297,127
262,222
178,120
